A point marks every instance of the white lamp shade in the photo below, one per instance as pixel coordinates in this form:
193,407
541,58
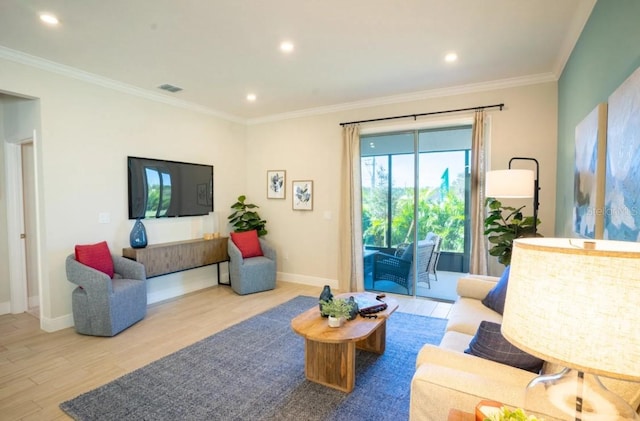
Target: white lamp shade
509,183
576,303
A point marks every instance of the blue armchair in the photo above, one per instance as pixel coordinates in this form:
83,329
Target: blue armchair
103,306
253,274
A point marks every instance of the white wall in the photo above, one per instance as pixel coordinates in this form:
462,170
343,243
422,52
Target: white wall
87,133
310,148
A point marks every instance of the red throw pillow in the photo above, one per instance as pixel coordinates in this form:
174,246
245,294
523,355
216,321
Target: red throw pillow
96,256
248,243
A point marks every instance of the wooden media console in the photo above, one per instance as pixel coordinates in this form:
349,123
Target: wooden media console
165,258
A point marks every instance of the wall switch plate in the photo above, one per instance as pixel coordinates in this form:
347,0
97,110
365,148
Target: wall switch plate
104,217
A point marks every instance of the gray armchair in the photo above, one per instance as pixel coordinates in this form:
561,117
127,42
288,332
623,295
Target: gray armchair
253,274
103,306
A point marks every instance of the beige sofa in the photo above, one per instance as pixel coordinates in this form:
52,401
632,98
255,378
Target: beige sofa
447,378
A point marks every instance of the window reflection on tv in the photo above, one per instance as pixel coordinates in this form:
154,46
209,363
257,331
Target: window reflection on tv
160,188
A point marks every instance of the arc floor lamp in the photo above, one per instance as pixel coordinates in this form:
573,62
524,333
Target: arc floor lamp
516,183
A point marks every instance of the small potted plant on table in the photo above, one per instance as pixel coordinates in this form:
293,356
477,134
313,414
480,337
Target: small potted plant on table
337,309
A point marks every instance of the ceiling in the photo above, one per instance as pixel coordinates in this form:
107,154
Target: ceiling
347,53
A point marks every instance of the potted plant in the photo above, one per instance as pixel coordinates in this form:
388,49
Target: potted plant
338,311
244,218
506,414
503,225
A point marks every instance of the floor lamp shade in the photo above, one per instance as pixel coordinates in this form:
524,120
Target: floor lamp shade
575,302
509,183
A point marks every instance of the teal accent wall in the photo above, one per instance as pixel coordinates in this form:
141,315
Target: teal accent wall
607,52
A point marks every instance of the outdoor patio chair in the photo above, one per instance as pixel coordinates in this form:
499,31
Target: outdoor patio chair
399,270
435,257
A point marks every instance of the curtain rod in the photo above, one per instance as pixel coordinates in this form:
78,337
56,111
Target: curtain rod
482,107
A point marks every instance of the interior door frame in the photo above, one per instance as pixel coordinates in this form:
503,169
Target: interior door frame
19,295
15,228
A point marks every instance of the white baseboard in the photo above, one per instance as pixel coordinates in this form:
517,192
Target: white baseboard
59,323
166,294
66,321
307,280
5,308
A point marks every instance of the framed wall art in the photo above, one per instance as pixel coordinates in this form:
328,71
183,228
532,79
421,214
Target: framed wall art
276,184
589,174
302,196
622,186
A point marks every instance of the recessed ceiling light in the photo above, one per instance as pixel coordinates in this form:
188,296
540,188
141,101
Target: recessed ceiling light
49,19
251,97
286,47
451,57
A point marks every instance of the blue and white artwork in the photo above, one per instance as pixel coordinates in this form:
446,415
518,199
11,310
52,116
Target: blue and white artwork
589,174
622,191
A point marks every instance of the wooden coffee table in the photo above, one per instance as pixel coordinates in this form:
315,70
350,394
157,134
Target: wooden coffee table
330,352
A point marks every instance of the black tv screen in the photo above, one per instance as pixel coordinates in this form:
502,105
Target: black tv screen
159,188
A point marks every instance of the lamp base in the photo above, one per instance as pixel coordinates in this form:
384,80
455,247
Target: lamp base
574,395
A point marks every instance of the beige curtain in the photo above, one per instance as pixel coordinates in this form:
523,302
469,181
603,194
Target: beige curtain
479,256
350,269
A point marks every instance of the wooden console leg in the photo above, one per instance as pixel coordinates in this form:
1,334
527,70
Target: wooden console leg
331,364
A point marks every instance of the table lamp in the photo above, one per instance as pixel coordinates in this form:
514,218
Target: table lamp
576,303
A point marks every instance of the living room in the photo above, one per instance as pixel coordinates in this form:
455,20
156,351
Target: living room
85,130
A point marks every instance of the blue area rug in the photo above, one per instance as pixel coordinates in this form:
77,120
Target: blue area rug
255,371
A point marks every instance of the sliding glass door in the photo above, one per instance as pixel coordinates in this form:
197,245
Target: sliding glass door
414,212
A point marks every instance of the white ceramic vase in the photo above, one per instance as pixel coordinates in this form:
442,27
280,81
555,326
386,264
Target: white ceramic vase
335,321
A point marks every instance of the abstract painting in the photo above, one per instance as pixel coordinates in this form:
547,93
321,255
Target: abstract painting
622,191
588,210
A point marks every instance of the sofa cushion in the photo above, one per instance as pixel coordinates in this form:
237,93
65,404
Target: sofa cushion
248,243
467,313
496,297
96,256
455,341
490,344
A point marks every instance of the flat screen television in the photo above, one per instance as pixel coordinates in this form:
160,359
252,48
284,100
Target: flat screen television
159,188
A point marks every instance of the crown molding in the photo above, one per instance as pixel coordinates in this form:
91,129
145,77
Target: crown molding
68,71
72,72
414,96
585,7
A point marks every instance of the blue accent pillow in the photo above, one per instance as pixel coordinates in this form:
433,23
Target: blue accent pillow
496,297
491,345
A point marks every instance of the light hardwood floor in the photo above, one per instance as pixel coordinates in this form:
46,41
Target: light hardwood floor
39,370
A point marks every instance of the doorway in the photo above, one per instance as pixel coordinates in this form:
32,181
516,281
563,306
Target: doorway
19,119
415,184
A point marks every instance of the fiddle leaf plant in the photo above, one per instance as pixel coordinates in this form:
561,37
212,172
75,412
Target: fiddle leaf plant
503,225
245,218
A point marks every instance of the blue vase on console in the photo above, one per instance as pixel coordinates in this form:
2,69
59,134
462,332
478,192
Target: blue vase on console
325,295
138,235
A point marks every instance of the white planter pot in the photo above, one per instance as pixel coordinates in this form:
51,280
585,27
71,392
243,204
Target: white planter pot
335,321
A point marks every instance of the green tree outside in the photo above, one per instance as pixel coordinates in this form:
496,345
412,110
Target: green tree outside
442,214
